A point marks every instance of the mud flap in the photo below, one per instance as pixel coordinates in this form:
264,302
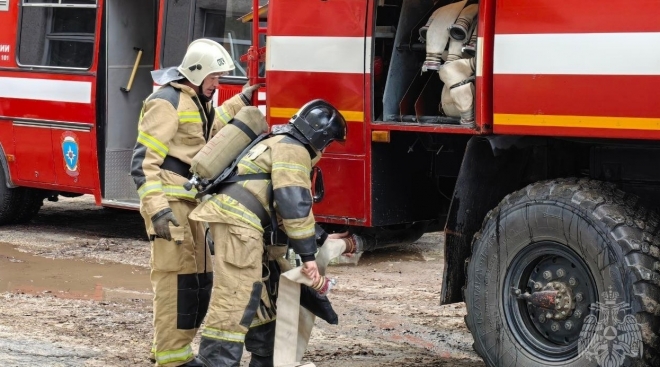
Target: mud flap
475,195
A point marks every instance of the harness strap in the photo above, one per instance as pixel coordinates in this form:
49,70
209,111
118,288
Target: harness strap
177,166
245,197
466,81
227,172
244,128
271,201
249,176
273,218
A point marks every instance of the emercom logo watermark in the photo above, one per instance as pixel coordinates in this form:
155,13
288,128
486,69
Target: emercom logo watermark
613,335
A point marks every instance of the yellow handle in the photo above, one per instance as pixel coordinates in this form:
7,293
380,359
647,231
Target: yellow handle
135,67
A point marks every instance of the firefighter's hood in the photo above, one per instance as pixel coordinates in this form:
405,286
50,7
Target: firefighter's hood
164,76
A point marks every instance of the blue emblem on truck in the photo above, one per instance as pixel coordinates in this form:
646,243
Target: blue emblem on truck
70,152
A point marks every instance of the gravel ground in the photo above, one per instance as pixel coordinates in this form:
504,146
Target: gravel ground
74,291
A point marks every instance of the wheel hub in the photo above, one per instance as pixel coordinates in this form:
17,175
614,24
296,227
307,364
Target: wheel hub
555,297
551,290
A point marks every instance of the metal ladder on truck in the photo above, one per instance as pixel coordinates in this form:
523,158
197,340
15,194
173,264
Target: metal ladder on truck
256,54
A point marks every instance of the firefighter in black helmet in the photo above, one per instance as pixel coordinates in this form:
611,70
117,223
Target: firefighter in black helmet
319,123
241,214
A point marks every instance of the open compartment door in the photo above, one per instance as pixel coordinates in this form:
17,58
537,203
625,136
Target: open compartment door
129,32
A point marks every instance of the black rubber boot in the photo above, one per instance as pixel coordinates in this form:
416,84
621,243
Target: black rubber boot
261,361
260,341
220,353
194,363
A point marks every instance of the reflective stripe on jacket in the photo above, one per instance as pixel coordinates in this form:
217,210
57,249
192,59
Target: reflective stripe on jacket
290,164
173,122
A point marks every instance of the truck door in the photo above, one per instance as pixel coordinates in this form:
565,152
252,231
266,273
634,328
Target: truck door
316,49
47,82
129,33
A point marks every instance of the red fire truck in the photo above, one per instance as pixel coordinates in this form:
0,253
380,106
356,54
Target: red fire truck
546,192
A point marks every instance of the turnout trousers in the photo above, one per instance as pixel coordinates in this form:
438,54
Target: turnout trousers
181,278
240,313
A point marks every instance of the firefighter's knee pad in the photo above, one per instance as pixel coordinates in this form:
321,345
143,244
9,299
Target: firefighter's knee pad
204,296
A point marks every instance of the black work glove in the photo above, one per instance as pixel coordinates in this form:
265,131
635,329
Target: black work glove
320,235
319,305
161,223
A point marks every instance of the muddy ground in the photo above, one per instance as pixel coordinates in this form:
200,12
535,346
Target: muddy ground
75,291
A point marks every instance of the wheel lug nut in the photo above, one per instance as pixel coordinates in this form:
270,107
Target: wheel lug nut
578,297
542,318
548,316
572,282
568,325
577,313
537,286
555,326
547,274
560,272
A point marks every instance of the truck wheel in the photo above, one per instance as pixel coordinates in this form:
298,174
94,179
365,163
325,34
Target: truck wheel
10,200
31,202
551,262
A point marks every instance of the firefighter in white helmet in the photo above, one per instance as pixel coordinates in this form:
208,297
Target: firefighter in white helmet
175,123
271,188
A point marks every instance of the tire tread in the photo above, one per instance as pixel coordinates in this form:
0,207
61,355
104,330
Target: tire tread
632,226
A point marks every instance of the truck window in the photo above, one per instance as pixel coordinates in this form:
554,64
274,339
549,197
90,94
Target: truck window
57,33
212,19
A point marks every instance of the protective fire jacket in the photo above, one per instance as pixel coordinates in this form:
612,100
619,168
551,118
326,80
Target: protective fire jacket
289,164
174,125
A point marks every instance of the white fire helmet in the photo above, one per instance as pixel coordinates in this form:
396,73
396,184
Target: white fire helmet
205,57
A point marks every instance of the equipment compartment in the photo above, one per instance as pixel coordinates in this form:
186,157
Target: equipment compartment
416,45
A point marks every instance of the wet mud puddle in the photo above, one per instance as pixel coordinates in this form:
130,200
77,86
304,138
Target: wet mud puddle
73,279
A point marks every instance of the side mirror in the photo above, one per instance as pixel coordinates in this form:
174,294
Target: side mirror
318,190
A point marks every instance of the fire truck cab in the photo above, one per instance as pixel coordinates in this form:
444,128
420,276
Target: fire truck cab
529,139
73,76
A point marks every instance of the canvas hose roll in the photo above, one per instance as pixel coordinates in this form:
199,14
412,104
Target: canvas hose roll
458,91
460,32
437,33
228,143
470,47
294,322
461,27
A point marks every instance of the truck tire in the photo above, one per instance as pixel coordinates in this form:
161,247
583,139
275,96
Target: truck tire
584,242
31,202
10,200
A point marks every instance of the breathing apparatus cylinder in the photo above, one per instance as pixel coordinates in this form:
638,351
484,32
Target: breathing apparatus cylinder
228,143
